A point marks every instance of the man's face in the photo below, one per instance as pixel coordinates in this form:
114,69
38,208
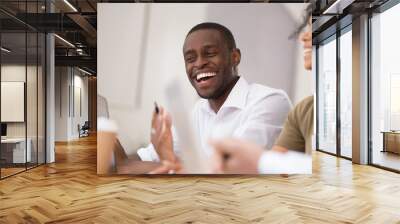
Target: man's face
306,39
209,63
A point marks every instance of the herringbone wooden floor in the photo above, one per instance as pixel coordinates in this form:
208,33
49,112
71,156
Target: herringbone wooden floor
69,191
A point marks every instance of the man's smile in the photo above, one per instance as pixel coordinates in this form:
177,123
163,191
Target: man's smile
204,80
204,76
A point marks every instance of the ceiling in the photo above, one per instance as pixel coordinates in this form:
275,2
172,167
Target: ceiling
329,16
76,22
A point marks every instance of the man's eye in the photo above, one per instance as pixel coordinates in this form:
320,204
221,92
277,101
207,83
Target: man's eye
189,59
211,54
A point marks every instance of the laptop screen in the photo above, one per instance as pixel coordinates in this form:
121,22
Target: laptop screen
3,129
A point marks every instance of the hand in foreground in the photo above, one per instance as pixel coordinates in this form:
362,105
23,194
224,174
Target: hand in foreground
161,135
235,156
167,167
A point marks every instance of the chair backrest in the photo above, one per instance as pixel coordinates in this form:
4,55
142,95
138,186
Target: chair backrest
86,125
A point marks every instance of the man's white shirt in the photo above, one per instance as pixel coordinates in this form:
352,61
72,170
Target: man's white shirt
251,112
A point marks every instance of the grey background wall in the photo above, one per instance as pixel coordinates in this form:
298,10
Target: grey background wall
140,51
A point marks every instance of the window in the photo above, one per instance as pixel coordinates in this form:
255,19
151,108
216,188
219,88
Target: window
395,102
327,96
346,93
385,89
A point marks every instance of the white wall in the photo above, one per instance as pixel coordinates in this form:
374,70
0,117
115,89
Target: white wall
304,80
67,80
61,103
15,73
140,55
268,56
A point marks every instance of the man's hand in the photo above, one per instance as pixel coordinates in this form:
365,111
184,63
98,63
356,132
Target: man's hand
235,156
161,135
168,167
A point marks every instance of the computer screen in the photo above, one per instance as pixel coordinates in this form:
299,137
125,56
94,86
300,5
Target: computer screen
3,129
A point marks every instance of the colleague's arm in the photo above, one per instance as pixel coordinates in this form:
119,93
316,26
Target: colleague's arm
284,162
131,164
236,156
298,127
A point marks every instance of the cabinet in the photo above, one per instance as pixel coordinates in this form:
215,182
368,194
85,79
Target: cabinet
391,142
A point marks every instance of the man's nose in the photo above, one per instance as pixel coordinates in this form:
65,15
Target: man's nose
200,62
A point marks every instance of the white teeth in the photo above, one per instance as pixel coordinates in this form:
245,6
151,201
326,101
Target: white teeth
203,75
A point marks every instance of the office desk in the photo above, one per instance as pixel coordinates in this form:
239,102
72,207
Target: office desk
137,167
391,141
13,150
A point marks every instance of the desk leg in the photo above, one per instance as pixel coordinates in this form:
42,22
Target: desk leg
384,142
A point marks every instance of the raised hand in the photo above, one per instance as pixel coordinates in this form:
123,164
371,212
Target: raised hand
161,135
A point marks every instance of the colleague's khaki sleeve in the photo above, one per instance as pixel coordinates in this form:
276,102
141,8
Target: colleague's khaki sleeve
291,136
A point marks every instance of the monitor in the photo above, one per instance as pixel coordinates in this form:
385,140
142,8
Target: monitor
3,129
12,98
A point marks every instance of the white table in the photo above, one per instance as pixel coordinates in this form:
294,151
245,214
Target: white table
19,155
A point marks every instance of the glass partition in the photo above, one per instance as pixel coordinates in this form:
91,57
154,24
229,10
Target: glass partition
13,94
22,63
41,107
32,95
327,96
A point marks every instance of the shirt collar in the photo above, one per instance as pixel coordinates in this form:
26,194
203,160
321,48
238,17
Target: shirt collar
236,98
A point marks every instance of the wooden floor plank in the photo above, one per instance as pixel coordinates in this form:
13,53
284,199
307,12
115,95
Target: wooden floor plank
69,191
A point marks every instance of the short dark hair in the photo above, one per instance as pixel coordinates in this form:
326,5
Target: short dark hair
225,32
307,14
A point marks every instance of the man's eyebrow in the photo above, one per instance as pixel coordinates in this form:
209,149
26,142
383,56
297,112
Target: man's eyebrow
190,51
207,46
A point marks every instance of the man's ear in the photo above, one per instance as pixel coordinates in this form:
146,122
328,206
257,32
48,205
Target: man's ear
236,56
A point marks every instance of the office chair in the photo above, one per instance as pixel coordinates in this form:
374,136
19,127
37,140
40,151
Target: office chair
84,130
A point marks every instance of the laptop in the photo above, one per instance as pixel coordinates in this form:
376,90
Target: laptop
3,131
193,157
